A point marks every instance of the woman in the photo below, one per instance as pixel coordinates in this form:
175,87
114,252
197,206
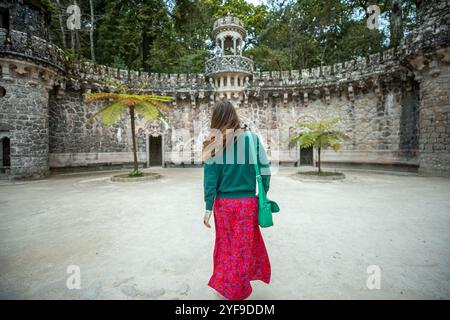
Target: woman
229,188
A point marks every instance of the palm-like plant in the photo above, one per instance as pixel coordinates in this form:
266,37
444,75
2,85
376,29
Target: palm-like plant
320,134
151,107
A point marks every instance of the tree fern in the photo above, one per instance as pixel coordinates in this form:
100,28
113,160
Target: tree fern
319,134
150,106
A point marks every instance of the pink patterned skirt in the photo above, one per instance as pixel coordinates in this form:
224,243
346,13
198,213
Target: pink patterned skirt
240,255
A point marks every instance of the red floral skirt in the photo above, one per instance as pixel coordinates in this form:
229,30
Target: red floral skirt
240,255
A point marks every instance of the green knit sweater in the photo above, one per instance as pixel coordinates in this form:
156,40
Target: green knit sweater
231,173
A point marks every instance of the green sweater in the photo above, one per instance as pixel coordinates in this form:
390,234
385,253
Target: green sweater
235,178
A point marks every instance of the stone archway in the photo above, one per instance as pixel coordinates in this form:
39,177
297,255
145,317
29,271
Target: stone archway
305,155
6,152
5,149
155,141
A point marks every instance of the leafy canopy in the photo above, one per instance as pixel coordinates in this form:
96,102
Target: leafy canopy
174,36
320,134
150,106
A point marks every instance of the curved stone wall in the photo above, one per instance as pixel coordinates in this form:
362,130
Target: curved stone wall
25,109
369,94
75,141
30,68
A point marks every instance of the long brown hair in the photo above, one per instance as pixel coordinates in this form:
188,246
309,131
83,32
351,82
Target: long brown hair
226,120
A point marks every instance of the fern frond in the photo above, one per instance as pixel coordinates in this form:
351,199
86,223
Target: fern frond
111,112
308,140
147,110
99,96
150,106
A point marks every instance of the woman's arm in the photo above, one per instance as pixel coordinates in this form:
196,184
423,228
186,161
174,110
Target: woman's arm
209,183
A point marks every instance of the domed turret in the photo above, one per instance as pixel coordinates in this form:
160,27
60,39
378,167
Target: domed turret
229,34
229,71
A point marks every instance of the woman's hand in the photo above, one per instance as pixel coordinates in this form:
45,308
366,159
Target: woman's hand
206,219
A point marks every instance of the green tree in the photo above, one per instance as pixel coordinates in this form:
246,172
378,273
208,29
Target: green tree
253,17
128,30
311,33
320,134
174,36
151,107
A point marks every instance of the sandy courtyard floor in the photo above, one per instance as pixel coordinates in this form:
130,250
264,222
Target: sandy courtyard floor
146,240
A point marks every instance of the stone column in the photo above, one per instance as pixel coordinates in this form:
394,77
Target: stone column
25,109
432,71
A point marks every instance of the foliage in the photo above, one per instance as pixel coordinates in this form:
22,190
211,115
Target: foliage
47,5
135,173
320,134
151,107
174,36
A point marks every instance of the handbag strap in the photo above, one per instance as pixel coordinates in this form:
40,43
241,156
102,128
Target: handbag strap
261,191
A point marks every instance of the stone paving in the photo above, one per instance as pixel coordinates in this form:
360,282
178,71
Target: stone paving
146,240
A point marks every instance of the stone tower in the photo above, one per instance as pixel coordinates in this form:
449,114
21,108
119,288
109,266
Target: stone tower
30,67
428,55
229,72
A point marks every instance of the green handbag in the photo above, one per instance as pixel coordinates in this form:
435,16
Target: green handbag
265,206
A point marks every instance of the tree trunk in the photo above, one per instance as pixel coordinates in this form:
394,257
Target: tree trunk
146,42
318,159
61,25
72,41
133,135
91,32
77,44
395,21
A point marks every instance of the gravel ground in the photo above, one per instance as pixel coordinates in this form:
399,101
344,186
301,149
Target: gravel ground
145,240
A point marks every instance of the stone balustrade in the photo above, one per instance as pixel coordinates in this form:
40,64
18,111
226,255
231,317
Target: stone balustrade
374,67
229,63
29,47
228,23
228,20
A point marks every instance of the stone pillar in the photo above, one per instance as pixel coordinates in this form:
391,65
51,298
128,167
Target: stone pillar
433,74
25,110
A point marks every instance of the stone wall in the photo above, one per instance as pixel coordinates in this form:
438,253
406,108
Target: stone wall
434,141
77,141
25,110
409,118
382,125
428,58
376,98
29,18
